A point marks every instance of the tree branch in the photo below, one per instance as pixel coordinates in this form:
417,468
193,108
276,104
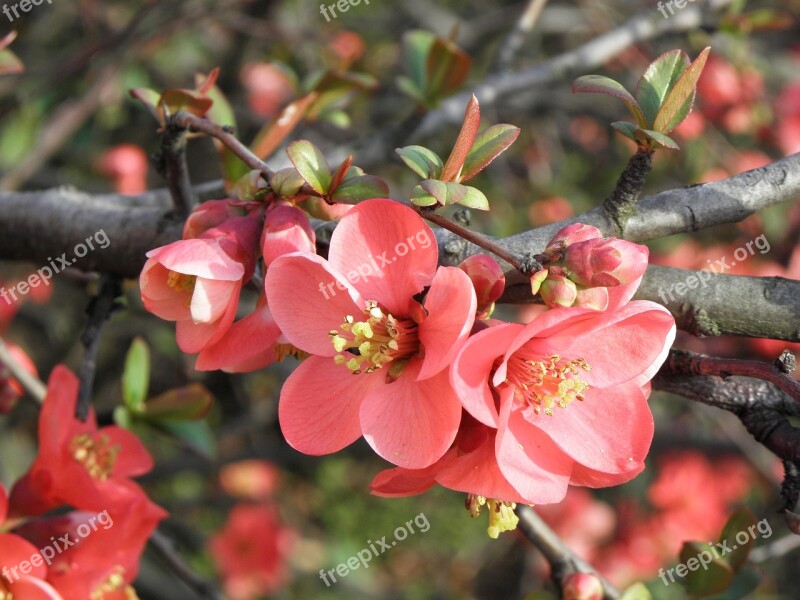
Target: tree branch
563,562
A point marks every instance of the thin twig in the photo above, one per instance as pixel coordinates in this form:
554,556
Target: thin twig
32,384
99,310
166,548
621,205
176,170
563,562
224,134
516,38
524,266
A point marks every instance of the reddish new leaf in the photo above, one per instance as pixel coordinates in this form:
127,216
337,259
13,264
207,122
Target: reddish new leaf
469,131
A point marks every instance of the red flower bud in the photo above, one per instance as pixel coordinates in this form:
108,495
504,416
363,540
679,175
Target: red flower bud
488,280
595,298
605,262
557,290
577,232
582,586
207,216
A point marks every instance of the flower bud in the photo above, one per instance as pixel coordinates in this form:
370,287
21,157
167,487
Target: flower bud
207,216
286,229
577,232
537,279
557,290
595,298
605,262
488,280
582,586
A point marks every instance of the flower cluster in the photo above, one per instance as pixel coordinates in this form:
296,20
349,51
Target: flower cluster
404,354
88,470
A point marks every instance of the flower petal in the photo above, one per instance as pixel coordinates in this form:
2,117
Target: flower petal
200,257
320,403
400,482
211,298
14,550
29,588
386,250
308,300
473,366
451,306
531,462
133,458
411,423
610,431
247,346
195,337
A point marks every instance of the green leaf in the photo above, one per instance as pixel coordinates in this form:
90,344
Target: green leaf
659,78
188,100
136,376
637,591
250,187
598,84
487,146
425,163
626,128
286,183
680,99
311,164
659,138
363,187
420,197
466,137
474,199
703,572
188,403
740,521
416,46
446,69
409,88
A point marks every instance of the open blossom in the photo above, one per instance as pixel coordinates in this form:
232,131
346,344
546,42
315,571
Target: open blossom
255,341
78,464
567,394
197,281
380,357
588,270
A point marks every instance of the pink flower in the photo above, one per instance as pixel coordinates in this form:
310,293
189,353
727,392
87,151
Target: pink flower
286,229
208,215
567,394
488,280
197,282
380,356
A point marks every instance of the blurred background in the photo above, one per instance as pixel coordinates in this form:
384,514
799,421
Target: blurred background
269,526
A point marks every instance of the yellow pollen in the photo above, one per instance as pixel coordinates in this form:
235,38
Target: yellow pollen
501,514
115,582
367,345
544,385
97,456
181,282
284,350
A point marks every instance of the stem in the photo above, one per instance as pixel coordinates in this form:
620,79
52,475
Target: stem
563,562
100,309
621,205
526,266
173,151
166,548
193,123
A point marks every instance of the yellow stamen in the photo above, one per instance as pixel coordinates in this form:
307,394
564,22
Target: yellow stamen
501,514
379,339
284,350
97,456
546,384
115,582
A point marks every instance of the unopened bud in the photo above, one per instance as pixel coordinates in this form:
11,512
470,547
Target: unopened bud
488,280
577,232
582,586
207,216
595,298
605,263
557,290
286,229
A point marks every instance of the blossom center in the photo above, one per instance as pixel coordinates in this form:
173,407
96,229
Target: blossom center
183,284
544,384
501,514
377,340
284,350
97,456
4,593
115,582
